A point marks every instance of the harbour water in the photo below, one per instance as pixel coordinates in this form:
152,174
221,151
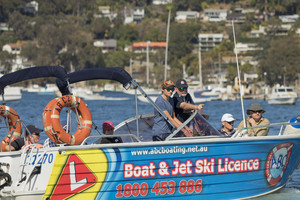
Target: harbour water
31,106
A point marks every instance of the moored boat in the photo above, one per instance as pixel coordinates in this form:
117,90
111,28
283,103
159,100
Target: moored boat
12,94
207,166
282,95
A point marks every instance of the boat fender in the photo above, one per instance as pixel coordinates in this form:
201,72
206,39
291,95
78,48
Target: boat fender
53,127
292,128
14,123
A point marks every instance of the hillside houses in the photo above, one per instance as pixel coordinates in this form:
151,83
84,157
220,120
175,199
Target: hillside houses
183,16
14,48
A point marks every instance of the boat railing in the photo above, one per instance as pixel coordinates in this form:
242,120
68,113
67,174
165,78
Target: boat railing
171,136
133,138
198,137
243,131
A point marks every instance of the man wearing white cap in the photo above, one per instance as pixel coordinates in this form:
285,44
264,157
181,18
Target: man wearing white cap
227,125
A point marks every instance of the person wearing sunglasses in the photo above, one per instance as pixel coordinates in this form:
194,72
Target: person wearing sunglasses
161,128
183,102
227,121
255,119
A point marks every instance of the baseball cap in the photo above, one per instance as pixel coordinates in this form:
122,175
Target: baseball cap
108,125
34,129
167,84
181,83
227,118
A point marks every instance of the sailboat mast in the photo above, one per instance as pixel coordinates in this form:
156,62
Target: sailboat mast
167,42
238,72
148,43
200,66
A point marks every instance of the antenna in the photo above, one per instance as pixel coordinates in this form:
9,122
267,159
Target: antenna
238,71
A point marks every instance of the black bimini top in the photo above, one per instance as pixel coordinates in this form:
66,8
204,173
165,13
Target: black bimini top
111,73
31,73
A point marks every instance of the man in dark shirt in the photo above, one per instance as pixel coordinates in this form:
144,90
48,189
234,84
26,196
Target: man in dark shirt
183,101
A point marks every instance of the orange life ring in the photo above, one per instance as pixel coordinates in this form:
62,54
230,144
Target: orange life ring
15,126
52,125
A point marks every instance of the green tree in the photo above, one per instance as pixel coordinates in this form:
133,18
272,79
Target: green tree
5,60
21,25
117,59
9,6
281,61
125,32
180,39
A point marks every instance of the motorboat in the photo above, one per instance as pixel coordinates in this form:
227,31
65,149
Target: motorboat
12,94
210,94
48,89
205,166
35,88
88,94
282,95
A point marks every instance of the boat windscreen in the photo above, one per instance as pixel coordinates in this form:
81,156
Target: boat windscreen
199,125
130,127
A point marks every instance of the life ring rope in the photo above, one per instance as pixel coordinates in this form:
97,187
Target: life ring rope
52,125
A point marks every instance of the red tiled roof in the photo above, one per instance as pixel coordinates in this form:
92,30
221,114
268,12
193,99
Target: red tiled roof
140,45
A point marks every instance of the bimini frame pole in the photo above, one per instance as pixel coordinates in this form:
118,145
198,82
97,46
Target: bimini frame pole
238,71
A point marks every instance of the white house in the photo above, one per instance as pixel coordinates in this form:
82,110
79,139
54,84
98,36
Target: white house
183,16
209,40
161,2
246,47
133,15
13,48
257,33
20,63
31,7
289,18
106,13
106,45
215,15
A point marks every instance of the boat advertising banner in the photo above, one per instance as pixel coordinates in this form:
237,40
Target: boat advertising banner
210,171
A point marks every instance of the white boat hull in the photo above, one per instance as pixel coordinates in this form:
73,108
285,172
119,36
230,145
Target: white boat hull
282,96
282,101
12,94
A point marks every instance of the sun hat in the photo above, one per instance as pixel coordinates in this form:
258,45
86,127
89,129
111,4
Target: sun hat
167,84
255,107
181,83
108,125
227,118
34,129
